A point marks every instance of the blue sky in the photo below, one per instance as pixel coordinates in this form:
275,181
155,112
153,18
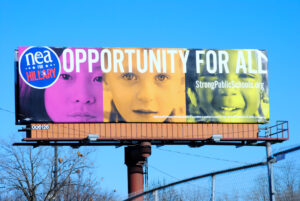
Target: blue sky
270,25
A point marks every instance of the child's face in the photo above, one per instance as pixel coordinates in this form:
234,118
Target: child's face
139,97
231,101
76,97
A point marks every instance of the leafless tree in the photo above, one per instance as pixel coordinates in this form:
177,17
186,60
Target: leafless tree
21,170
287,181
195,193
259,191
83,187
287,184
28,173
190,192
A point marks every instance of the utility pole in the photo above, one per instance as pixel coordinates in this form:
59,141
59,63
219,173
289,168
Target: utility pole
270,161
213,177
55,171
146,178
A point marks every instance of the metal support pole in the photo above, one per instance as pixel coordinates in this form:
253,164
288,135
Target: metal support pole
146,178
55,170
135,157
155,195
213,188
270,172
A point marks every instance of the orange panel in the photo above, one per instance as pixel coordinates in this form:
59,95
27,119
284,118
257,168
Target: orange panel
138,130
34,133
159,131
189,131
102,131
229,131
123,131
148,133
143,130
169,131
164,131
112,132
235,130
179,131
117,131
129,130
107,131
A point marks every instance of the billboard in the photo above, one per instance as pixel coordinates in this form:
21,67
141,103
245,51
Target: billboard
89,85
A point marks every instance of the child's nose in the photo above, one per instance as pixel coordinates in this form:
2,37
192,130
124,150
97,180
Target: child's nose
83,96
145,92
227,91
85,100
231,77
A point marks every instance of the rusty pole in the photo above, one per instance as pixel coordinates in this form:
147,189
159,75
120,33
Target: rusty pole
135,157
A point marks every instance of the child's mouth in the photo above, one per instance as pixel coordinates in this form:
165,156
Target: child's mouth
227,110
82,116
144,112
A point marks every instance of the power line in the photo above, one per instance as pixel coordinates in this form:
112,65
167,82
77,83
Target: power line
5,110
202,156
220,159
199,177
9,111
163,172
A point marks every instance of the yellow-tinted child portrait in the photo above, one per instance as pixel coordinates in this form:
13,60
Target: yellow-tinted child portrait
144,90
236,94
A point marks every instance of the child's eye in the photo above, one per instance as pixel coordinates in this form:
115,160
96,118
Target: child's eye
129,76
208,76
211,75
244,75
161,77
66,76
98,79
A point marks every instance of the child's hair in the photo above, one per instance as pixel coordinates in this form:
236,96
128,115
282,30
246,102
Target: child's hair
192,98
114,115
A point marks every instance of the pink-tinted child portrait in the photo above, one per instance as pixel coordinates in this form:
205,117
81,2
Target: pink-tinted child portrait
76,96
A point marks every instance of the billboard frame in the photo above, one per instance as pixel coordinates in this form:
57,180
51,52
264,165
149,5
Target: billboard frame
32,118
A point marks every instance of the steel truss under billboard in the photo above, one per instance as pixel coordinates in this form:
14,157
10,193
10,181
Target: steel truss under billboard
95,85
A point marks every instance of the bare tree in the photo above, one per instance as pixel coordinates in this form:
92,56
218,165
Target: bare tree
190,192
83,187
259,191
287,184
195,193
28,173
21,170
166,194
287,181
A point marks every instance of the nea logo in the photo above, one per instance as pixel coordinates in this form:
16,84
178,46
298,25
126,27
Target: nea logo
38,57
39,67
